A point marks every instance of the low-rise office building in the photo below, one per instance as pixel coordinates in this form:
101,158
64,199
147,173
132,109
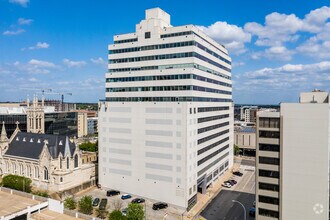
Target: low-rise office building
245,139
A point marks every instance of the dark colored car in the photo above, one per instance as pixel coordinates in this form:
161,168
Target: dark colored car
96,202
126,196
237,173
159,205
103,204
232,182
112,192
138,200
252,212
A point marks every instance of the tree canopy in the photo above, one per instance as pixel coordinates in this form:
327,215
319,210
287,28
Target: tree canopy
20,183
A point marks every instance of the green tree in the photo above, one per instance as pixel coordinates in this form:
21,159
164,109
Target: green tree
236,149
135,212
117,215
88,146
20,183
85,205
70,203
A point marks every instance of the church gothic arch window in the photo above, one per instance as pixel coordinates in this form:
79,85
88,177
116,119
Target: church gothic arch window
46,177
36,172
76,161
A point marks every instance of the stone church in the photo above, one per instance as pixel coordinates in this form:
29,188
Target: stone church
52,162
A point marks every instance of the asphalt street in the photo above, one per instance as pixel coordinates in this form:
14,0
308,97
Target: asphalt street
222,207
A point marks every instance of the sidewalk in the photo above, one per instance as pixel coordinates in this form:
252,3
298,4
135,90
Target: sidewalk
212,192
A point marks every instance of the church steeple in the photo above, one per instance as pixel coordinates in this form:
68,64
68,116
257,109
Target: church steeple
3,137
67,151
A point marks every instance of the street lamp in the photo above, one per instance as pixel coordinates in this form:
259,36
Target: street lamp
242,206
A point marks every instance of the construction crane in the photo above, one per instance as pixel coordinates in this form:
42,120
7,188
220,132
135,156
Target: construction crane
51,92
62,97
36,89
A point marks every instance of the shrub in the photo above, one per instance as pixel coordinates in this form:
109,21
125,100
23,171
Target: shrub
85,205
41,193
70,203
20,183
101,213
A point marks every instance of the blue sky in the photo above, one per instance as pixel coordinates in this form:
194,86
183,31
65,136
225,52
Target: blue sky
279,48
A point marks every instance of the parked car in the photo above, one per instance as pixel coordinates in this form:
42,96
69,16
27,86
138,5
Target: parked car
96,202
227,185
228,182
252,212
112,192
232,182
138,200
126,196
103,204
124,211
237,173
159,205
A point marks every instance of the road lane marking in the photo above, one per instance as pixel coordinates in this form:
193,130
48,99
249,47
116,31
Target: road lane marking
253,187
248,181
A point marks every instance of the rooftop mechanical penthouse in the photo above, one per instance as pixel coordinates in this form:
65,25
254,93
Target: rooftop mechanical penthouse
166,124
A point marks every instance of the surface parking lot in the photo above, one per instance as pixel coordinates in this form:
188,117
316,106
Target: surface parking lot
170,213
222,207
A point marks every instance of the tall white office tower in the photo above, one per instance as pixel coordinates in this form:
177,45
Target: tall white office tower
166,125
293,153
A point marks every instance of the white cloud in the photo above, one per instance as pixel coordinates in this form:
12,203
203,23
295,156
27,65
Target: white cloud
71,63
236,64
23,21
279,53
41,63
33,66
317,46
22,3
98,61
39,45
33,80
280,28
232,36
16,32
286,77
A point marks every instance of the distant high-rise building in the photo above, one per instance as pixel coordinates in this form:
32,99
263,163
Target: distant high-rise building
166,125
293,145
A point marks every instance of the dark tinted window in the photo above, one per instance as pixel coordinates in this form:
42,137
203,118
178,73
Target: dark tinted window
269,173
147,35
268,186
269,213
269,134
269,160
269,200
269,147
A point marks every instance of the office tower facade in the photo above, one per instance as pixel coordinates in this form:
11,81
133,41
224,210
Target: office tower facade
293,160
166,125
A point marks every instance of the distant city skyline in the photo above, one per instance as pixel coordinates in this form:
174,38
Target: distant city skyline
278,50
